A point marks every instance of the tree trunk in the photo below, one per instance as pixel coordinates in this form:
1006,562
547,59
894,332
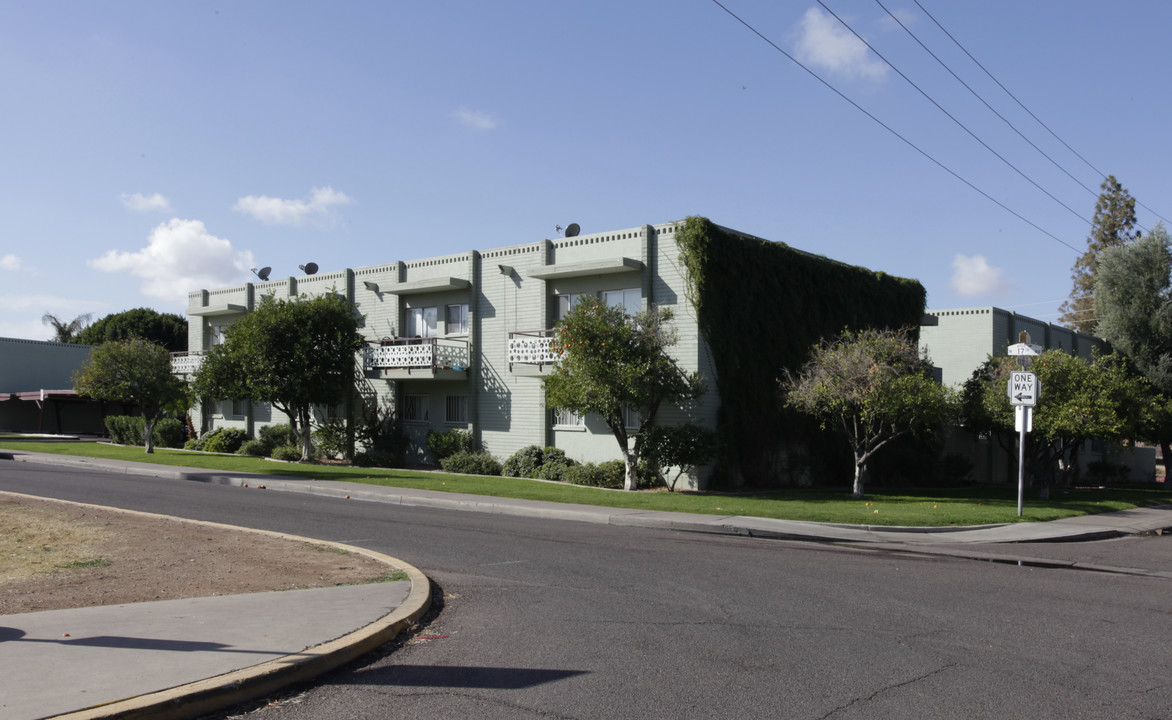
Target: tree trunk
148,431
630,481
858,488
306,437
1165,457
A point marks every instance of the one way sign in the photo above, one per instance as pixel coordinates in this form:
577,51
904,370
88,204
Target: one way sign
1023,389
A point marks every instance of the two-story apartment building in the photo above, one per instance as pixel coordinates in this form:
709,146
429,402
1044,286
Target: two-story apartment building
462,341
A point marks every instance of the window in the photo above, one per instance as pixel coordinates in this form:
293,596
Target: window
566,303
456,320
421,322
456,409
567,418
630,300
415,408
240,408
631,418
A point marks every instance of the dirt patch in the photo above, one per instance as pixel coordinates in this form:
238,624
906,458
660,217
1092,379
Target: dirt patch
56,555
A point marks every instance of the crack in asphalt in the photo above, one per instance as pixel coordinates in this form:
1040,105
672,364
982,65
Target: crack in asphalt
888,688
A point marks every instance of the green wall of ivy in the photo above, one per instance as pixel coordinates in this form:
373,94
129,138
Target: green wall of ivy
761,306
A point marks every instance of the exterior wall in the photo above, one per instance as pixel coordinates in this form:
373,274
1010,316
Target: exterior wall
959,340
508,289
36,365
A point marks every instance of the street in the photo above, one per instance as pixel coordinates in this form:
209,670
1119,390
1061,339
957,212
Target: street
557,619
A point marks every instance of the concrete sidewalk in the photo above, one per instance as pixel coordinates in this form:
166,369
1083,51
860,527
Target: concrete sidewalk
183,658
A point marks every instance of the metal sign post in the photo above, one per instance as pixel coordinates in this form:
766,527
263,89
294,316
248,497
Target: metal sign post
1024,391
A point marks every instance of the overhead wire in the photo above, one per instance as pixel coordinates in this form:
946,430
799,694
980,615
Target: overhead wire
1020,104
891,130
952,117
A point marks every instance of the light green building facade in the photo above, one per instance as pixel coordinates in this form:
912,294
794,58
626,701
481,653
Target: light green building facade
461,341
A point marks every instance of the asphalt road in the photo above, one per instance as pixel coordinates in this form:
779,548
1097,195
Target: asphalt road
548,619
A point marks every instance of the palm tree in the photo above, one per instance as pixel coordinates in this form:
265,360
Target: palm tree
66,330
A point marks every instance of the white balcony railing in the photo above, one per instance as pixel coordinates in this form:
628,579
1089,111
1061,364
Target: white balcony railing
186,363
531,347
417,353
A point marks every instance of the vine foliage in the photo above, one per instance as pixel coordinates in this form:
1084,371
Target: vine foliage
761,306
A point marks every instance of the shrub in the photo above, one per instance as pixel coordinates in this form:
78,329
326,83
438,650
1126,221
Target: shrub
375,458
169,433
125,429
554,464
471,463
225,440
256,448
291,453
330,438
524,462
446,444
200,442
1101,471
276,435
380,432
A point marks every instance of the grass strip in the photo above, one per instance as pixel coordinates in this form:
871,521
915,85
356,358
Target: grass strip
925,507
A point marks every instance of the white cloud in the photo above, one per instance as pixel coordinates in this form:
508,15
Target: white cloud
974,276
277,211
11,263
476,119
180,256
145,203
20,313
824,43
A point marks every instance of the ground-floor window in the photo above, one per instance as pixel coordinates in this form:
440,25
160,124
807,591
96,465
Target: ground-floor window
566,418
456,410
240,408
415,408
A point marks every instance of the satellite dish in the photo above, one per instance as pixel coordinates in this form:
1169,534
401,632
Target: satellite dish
572,229
263,273
309,268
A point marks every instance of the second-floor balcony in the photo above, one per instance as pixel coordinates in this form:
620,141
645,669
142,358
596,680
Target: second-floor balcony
186,363
414,358
530,353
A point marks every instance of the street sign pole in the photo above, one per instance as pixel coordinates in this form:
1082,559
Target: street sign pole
1025,421
1024,391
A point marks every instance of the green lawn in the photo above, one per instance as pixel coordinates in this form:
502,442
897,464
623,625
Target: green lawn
913,507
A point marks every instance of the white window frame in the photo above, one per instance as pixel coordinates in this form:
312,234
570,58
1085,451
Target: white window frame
456,409
417,408
565,303
631,419
629,299
567,419
459,326
421,321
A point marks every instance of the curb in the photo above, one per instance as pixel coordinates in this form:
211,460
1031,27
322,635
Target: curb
222,691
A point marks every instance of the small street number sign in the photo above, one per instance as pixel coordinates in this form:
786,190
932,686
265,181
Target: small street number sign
1023,389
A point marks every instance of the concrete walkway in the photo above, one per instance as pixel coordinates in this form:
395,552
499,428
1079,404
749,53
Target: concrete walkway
183,658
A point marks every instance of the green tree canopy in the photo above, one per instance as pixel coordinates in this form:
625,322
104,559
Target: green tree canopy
610,362
1113,225
166,329
294,353
133,371
1133,302
1079,401
872,386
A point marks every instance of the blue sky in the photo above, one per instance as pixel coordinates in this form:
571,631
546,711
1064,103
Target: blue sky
156,148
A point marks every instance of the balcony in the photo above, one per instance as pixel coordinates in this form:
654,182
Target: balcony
186,363
530,354
417,358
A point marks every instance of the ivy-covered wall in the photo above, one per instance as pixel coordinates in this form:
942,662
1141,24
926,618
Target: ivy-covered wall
761,306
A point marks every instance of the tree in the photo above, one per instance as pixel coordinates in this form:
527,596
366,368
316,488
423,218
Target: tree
872,386
1080,400
680,447
1133,302
294,353
166,329
1112,226
133,371
611,362
65,332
